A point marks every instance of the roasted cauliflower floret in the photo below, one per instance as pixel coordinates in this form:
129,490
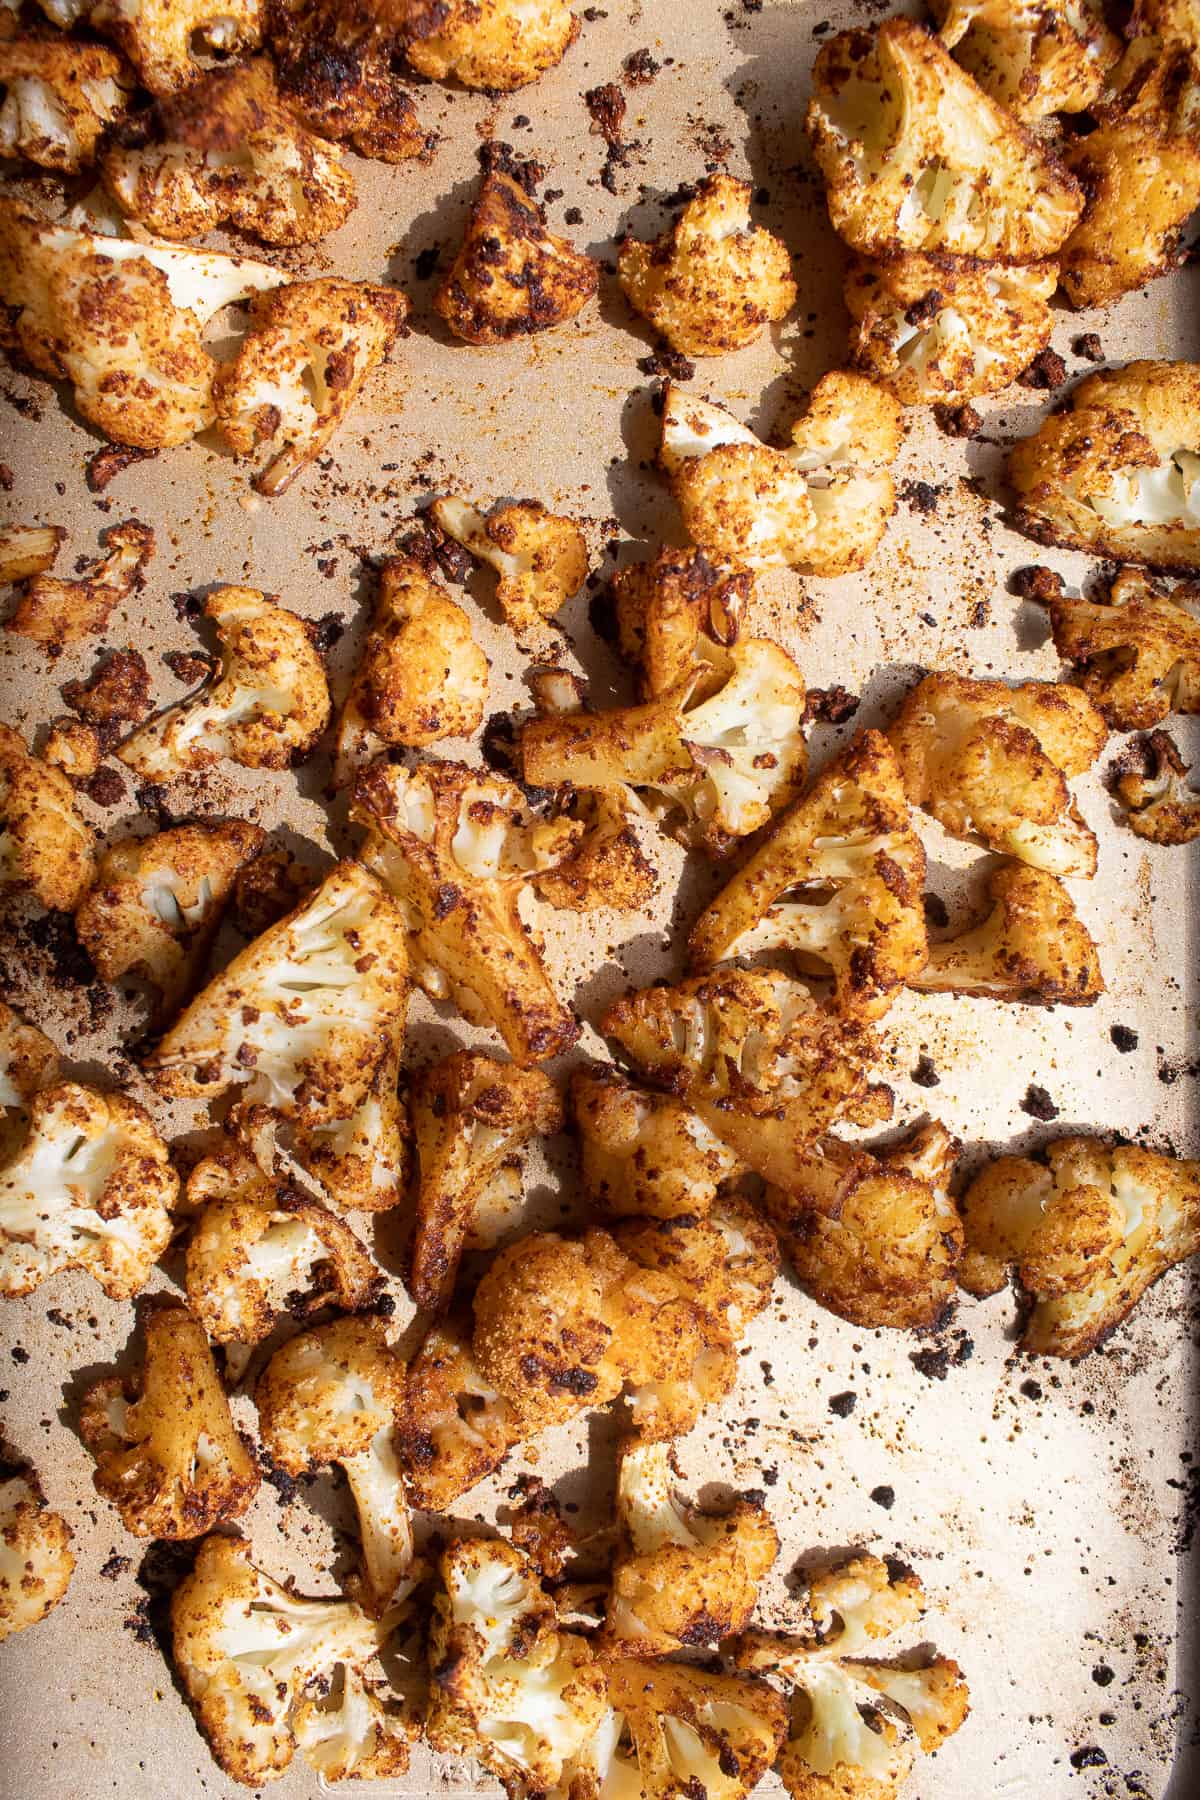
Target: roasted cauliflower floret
838,883
512,275
725,1262
45,844
842,1742
157,903
712,281
227,151
455,1427
157,35
1158,803
820,506
916,156
454,847
673,1730
671,609
358,1729
936,330
36,1560
539,557
336,65
58,98
470,1116
360,1162
264,706
1031,945
1119,473
301,367
1136,652
168,1454
29,1062
332,1395
876,1238
1033,59
642,1154
56,612
27,550
992,762
498,45
91,1187
1088,1234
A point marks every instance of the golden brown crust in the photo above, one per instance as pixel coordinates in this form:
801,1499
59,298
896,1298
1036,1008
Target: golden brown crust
512,276
336,66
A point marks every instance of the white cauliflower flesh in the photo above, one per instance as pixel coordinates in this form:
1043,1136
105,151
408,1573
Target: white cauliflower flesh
820,506
1159,803
90,1188
497,45
1032,56
539,557
301,367
36,1561
122,320
158,35
1136,651
1031,945
58,98
672,1730
57,612
45,844
264,707
27,550
642,1154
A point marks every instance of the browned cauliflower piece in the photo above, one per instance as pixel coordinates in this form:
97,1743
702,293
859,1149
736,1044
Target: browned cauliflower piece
539,557
725,1261
227,152
36,1560
1033,59
29,1062
671,609
361,1162
168,1454
301,367
939,329
713,281
91,1187
264,707
992,762
876,1238
842,1742
1031,945
1137,651
820,506
56,612
1088,1232
336,62
642,1154
27,550
497,45
470,1116
1119,472
158,35
1158,803
45,844
455,847
421,675
59,97
455,1427
513,275
157,903
916,156
838,883
75,748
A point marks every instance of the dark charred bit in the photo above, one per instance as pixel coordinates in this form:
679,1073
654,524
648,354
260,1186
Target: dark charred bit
957,421
1124,1037
1036,582
499,745
501,159
106,787
116,1565
7,479
187,607
830,706
667,365
1090,1757
1031,1389
286,1486
1038,1104
116,693
326,632
924,1074
580,1382
842,1405
55,936
1046,371
152,798
110,460
1089,347
607,106
936,913
189,666
883,1496
640,68
921,496
935,1361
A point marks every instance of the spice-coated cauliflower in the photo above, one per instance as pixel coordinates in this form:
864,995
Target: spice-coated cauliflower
36,1560
58,98
916,156
301,367
455,1427
29,1062
512,275
669,610
45,844
57,612
1033,59
1158,803
726,1261
820,506
360,1162
875,1237
158,35
539,557
91,1187
497,45
27,550
1119,472
642,1154
838,883
992,762
1088,1232
712,281
937,329
1031,945
336,63
168,1454
1136,651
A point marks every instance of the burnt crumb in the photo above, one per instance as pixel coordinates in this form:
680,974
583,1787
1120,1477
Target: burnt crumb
842,1405
1124,1037
286,1486
106,787
592,13
921,496
830,706
501,159
768,1374
1171,1072
573,215
1089,347
427,261
116,693
116,1565
640,68
137,1624
326,632
1031,1389
385,1306
521,122
1046,371
55,936
1102,1675
7,478
924,1074
884,1496
936,913
19,1354
607,106
57,1317
188,607
1188,1516
1038,1104
551,195
1090,1757
152,799
189,666
935,1361
27,405
110,460
957,421
667,363
499,745
1036,582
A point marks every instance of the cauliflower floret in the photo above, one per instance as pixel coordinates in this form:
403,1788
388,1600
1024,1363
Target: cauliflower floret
301,367
55,612
992,762
1031,945
58,98
608,868
841,1741
670,610
497,45
168,1454
29,1062
673,1731
934,330
122,320
75,748
264,707
712,281
512,276
645,1155
1034,59
360,1162
838,882
45,845
1159,804
876,1238
1088,1235
455,1427
158,901
470,1116
506,1685
421,675
1118,474
36,1561
27,550
539,556
226,151
336,65
1137,653
916,156
91,1188
455,846
726,1261
157,35
332,1396
820,506
356,1730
